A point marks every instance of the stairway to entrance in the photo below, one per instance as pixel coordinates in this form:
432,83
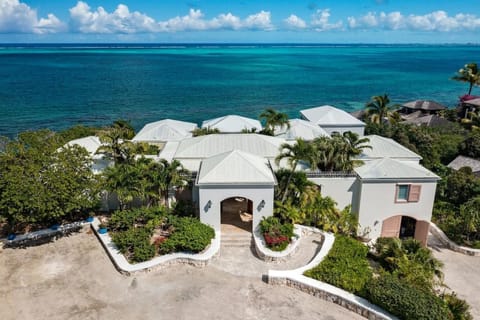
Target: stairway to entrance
235,237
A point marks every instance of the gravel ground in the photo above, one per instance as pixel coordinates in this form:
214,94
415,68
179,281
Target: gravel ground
73,278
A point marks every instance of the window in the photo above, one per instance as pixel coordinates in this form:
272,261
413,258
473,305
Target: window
402,192
408,193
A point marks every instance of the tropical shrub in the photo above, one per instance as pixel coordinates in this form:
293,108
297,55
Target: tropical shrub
404,300
409,261
346,266
189,235
458,307
123,220
184,209
277,235
135,244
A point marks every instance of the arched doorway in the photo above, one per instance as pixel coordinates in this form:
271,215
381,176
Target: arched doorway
236,214
405,227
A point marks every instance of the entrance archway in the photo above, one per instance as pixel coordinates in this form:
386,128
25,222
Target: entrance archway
236,214
405,227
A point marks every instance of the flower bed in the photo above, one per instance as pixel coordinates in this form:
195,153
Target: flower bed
277,235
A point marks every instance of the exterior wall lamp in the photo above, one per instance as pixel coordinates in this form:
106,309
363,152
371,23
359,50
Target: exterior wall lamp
208,205
261,205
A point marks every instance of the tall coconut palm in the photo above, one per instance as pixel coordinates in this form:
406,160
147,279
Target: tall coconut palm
469,73
294,153
378,108
273,118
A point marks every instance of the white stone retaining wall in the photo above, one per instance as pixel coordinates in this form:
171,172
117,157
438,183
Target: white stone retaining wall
437,232
124,267
296,279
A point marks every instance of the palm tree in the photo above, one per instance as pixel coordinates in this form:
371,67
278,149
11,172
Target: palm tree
174,175
469,73
273,118
354,147
294,153
378,108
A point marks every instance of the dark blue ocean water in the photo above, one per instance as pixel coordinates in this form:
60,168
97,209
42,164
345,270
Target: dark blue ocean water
56,86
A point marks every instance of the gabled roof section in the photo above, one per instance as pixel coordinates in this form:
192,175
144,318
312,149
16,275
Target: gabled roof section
387,148
91,143
329,116
232,124
430,121
388,168
165,130
299,128
235,167
213,144
425,105
462,161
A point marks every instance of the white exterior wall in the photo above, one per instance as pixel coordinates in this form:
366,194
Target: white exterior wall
340,189
377,203
358,129
216,194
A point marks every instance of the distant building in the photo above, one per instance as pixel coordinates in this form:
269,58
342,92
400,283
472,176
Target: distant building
333,120
462,161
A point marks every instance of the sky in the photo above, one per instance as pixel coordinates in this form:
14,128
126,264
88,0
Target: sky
247,21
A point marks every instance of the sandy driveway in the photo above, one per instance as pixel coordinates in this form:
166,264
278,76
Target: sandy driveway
73,278
462,274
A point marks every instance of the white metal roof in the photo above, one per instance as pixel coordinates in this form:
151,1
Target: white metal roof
300,129
165,130
213,144
388,168
235,167
91,143
385,147
329,116
232,124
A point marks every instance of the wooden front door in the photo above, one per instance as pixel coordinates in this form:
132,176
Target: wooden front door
391,227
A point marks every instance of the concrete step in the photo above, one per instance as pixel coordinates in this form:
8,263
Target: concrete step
236,239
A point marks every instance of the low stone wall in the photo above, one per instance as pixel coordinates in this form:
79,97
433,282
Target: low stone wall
43,236
158,263
268,255
296,279
437,232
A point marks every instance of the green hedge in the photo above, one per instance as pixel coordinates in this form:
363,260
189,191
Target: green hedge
190,235
346,266
123,220
404,300
134,244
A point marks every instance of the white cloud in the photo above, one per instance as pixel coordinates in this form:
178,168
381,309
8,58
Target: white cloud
259,21
100,21
320,21
434,21
86,20
295,22
17,17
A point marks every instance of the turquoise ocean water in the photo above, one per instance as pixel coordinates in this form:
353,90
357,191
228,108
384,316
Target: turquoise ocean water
57,86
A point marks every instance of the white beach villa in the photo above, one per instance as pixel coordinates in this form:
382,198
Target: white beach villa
391,193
